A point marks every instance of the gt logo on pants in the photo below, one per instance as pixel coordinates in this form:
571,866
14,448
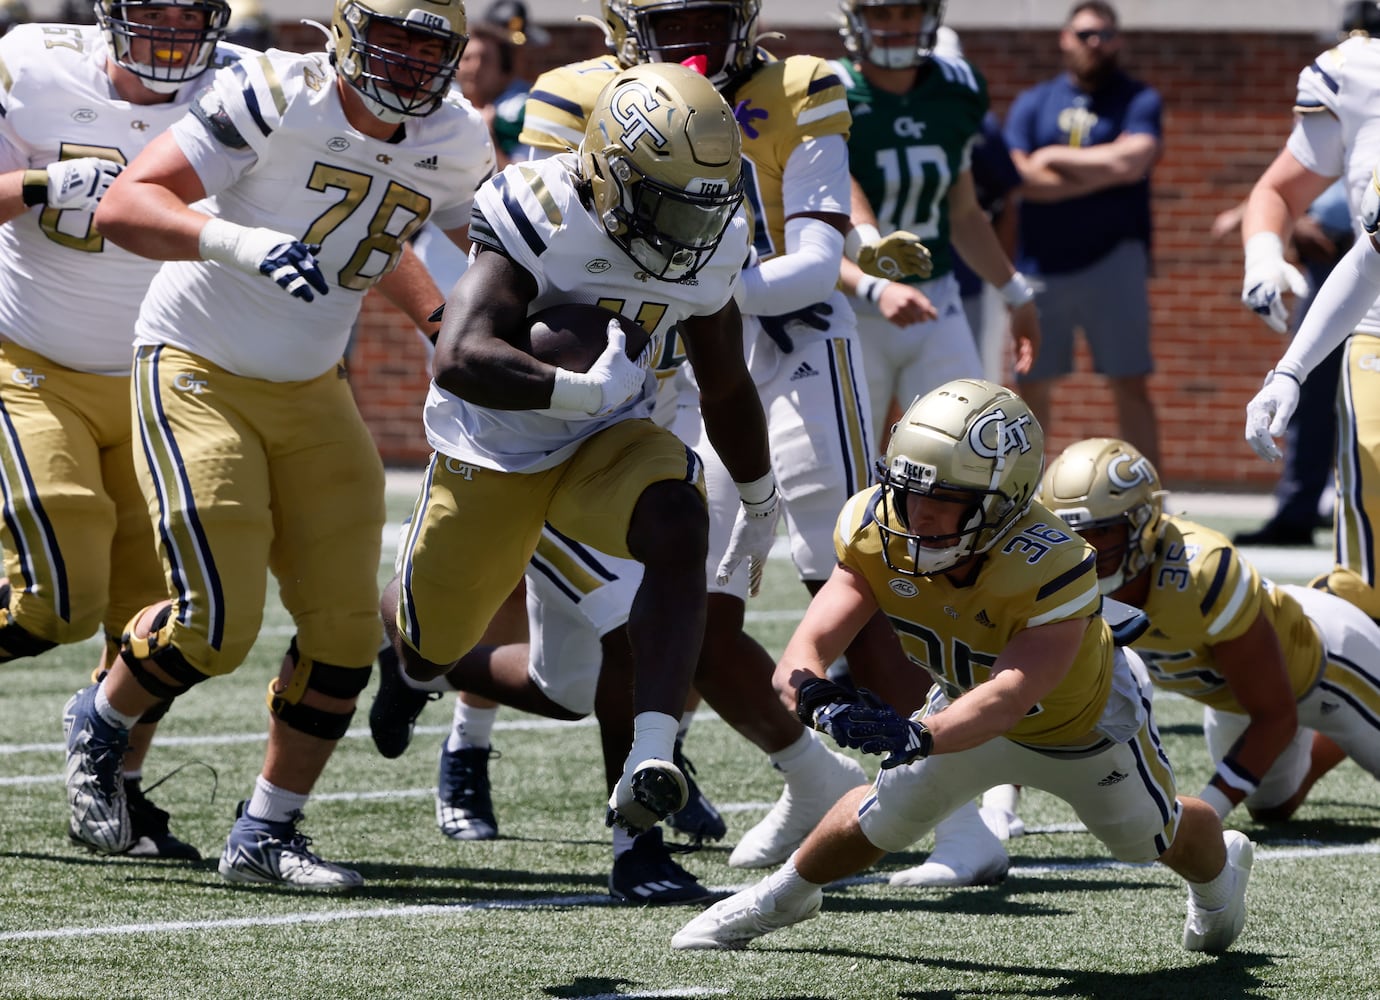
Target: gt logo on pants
189,383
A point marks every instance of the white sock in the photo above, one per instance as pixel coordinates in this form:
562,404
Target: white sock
795,759
1215,894
273,803
110,713
787,886
135,776
471,727
1002,797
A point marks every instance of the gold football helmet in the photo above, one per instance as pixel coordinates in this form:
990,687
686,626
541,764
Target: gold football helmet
967,442
174,55
663,160
727,37
891,49
1104,483
406,75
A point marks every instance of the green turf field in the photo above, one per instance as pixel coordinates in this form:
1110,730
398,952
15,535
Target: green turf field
527,915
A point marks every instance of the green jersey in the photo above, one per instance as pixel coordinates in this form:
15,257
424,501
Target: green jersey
906,149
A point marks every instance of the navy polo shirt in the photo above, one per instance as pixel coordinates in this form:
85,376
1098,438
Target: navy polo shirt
1063,236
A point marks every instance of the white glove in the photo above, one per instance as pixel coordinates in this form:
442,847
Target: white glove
1267,415
610,382
79,184
895,256
754,530
283,257
1268,275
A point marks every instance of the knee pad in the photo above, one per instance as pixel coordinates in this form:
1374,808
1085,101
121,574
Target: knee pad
345,683
157,647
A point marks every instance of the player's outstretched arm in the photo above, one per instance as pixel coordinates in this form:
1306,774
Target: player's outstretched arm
146,210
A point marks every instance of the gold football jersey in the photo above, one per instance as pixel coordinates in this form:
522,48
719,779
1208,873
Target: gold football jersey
1039,573
1203,593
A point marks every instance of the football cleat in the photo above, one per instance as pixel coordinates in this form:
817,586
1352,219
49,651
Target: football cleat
654,789
261,852
150,826
1215,930
802,804
743,917
393,715
697,819
965,853
95,785
646,875
464,803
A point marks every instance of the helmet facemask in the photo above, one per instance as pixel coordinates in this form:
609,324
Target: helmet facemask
887,47
725,33
662,155
174,55
394,84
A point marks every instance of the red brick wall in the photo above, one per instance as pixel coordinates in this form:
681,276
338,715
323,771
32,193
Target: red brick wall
1227,111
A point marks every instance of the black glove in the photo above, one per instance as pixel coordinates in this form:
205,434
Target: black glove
776,327
865,722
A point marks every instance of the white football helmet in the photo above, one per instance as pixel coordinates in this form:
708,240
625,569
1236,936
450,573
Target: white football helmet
171,63
967,442
891,49
662,156
631,29
1103,483
397,85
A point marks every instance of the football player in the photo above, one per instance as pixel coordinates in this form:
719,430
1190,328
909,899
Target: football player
645,220
916,115
1334,136
803,355
999,603
78,102
315,170
1285,673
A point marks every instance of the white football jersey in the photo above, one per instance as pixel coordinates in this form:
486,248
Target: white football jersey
271,143
532,212
1344,81
66,292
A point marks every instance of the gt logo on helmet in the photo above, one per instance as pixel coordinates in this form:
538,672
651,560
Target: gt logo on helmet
631,108
1138,470
1006,435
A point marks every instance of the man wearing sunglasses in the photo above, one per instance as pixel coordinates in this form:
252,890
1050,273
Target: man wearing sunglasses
1084,143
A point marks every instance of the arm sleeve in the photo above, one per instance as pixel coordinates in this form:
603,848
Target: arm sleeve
1342,301
816,177
806,273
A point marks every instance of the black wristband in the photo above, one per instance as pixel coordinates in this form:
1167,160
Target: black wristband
815,693
34,187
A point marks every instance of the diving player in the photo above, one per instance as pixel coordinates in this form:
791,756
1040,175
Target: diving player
316,170
1287,675
999,604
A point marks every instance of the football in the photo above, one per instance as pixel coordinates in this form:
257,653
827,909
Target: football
572,335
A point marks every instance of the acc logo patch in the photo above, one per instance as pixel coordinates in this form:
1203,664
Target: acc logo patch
598,266
338,145
83,115
903,588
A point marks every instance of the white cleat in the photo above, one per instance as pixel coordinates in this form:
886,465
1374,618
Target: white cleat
802,804
1214,930
965,853
743,917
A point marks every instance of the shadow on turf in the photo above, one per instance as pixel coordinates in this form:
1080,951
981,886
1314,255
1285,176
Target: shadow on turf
602,986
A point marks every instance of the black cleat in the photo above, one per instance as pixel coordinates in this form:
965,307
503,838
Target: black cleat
151,836
464,805
697,819
393,715
646,875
